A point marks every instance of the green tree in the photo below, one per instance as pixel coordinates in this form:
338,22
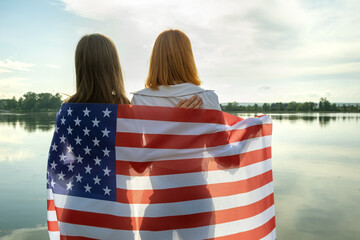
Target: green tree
265,107
291,106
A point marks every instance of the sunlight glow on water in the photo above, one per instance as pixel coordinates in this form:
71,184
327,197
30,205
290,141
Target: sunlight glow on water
316,162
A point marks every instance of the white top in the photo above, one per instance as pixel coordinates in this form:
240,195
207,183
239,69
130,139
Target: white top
169,96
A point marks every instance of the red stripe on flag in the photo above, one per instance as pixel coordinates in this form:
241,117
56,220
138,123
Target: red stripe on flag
50,205
256,233
64,237
192,192
191,165
167,222
53,226
176,114
167,141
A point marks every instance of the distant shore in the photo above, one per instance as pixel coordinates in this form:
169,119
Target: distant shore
32,102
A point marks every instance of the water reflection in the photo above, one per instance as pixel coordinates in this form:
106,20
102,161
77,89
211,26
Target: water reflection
29,121
316,165
39,233
323,119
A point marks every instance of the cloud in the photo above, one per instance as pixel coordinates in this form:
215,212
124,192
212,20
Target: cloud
264,87
53,66
8,65
237,42
11,86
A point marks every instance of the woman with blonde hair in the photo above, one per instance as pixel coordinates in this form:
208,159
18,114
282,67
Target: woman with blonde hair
173,75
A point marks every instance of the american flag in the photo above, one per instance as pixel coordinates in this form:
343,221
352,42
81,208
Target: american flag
140,172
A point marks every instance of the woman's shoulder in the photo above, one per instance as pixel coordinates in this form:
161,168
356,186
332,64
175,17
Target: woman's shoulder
177,90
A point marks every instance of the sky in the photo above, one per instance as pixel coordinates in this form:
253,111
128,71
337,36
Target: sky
247,51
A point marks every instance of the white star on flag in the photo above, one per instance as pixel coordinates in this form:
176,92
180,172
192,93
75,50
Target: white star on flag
69,186
97,180
52,183
78,140
79,159
62,157
87,188
106,152
53,165
86,131
78,177
95,122
87,150
96,142
69,130
62,139
106,112
70,148
69,111
88,169
86,112
63,121
97,161
61,175
106,171
70,166
107,190
54,147
77,121
105,132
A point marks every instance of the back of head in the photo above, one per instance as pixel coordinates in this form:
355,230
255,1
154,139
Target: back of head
98,72
172,61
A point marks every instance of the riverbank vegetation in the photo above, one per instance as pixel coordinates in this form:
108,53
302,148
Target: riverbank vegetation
324,105
32,102
47,102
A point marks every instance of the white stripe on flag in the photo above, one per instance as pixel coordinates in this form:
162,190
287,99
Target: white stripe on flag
163,209
192,179
211,231
51,216
183,128
54,235
152,154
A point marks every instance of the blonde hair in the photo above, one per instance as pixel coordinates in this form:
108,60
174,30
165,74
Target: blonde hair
172,61
98,72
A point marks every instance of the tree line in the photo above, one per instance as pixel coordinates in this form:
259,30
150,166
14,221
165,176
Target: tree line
46,102
324,105
32,102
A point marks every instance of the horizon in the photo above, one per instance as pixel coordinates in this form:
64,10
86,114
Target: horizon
246,51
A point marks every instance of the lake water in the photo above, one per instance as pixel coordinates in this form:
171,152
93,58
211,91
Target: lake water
316,162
